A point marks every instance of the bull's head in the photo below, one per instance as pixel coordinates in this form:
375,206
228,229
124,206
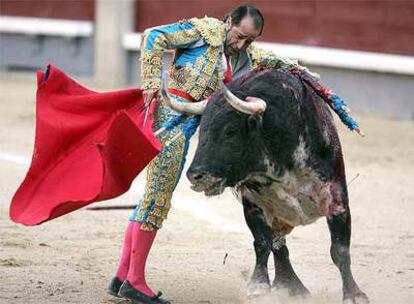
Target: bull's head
244,138
230,142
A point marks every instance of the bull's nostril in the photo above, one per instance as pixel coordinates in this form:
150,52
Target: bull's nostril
196,176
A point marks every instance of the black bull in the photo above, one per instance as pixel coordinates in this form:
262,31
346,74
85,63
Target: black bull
286,165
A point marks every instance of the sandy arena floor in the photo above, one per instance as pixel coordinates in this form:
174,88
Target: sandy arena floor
72,259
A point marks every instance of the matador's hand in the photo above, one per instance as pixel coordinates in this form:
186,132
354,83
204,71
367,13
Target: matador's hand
149,95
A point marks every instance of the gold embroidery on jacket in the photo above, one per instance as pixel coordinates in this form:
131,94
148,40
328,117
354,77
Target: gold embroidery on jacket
179,75
151,60
267,59
199,79
212,30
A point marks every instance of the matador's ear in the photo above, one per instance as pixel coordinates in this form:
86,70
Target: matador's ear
228,23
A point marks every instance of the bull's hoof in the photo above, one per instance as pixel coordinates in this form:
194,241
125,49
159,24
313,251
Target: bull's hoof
295,289
358,298
255,289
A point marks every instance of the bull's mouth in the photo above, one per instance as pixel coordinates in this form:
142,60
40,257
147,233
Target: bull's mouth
210,185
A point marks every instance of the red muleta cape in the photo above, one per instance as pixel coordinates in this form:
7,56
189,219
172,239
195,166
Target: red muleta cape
88,147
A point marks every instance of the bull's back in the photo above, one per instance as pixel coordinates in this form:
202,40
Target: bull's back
295,115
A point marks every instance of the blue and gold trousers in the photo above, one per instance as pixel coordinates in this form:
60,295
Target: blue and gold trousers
164,171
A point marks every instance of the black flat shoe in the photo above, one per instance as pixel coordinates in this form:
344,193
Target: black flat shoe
137,297
114,286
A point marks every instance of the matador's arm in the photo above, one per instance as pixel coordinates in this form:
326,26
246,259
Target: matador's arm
262,58
156,41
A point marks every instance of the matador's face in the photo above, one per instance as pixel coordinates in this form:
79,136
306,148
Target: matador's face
239,37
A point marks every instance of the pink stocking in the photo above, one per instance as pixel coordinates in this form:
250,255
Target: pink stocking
123,266
141,245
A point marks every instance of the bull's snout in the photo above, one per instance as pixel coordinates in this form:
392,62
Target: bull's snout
202,180
195,174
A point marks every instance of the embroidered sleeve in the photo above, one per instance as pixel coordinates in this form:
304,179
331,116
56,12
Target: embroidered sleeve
211,29
268,59
158,39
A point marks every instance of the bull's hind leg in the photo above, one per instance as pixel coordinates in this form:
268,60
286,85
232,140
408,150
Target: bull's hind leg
285,276
262,234
340,229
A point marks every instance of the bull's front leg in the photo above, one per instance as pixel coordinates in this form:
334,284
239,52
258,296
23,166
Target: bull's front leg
340,229
285,276
262,234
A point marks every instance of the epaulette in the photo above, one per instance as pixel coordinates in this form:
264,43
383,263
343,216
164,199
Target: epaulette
212,30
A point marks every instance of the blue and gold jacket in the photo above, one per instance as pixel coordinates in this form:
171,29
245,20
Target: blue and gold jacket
198,62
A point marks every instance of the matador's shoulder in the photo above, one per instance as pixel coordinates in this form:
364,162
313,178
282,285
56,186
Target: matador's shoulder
211,29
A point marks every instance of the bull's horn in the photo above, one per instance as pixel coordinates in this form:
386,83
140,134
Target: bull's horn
254,106
193,108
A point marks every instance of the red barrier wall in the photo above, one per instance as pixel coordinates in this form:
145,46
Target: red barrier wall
58,9
385,26
377,26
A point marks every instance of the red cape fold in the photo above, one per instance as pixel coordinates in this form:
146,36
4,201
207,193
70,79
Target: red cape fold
89,147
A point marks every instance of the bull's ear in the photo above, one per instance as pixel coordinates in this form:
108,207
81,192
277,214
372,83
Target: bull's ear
254,122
